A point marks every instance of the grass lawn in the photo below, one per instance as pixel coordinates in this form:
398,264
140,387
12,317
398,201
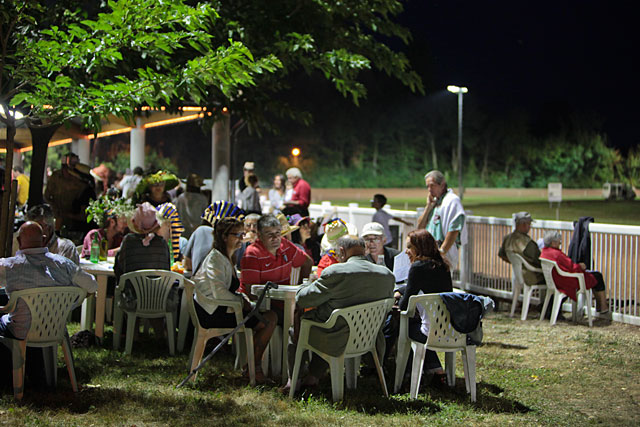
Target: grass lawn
528,373
620,212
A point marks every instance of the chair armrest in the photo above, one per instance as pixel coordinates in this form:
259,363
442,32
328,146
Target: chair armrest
9,307
531,267
330,323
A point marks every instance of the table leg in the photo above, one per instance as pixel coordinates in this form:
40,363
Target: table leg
101,304
88,308
289,307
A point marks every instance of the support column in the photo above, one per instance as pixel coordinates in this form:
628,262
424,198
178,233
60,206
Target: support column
82,147
220,159
136,149
17,158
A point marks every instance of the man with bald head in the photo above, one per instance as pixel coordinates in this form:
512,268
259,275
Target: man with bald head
354,280
35,267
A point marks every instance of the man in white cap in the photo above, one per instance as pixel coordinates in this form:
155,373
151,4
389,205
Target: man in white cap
247,170
374,237
520,243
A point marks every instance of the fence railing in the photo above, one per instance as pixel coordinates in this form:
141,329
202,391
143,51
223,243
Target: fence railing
615,251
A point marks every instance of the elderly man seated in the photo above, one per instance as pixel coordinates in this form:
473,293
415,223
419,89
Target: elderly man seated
520,243
354,280
35,267
43,215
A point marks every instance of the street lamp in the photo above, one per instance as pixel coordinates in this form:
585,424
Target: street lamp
460,91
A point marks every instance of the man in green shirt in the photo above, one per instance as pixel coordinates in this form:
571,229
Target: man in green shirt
520,243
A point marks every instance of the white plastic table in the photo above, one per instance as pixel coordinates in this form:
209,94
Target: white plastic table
98,303
286,293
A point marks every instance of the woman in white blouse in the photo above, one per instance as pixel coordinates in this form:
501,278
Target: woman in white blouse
278,193
216,279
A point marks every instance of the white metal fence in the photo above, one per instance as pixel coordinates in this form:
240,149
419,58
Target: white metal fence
615,251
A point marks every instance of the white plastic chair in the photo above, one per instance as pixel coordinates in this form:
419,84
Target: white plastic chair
582,291
151,288
202,335
442,337
364,322
49,308
517,283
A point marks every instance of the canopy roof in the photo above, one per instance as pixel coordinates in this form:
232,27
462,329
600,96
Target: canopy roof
111,126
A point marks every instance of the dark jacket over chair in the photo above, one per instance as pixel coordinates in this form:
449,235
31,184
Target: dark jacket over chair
580,246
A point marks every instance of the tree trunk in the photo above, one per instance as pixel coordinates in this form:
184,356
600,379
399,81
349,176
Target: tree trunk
454,159
6,209
434,154
374,160
40,137
484,174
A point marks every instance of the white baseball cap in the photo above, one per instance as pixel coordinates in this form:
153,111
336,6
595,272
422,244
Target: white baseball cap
372,228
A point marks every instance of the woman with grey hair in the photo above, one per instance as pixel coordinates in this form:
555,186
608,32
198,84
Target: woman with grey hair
569,285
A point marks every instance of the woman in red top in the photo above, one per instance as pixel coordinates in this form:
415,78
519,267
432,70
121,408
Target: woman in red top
569,285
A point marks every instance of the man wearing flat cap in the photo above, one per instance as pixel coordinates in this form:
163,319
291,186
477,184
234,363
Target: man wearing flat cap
519,242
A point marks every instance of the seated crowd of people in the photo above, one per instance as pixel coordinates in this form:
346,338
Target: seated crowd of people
226,249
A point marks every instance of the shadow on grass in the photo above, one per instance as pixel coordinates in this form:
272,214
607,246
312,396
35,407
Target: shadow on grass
429,401
505,346
159,406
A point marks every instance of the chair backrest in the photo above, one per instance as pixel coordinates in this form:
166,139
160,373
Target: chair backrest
152,288
295,276
516,268
547,268
189,289
365,321
49,307
441,332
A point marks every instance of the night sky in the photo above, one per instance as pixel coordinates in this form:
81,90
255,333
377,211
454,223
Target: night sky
579,56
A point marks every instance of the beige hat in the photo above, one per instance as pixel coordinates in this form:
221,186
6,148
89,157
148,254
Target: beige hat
249,166
334,230
286,227
372,228
522,217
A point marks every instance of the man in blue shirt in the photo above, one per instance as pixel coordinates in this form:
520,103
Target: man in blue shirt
35,267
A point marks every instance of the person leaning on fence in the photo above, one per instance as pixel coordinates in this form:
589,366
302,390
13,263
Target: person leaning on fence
520,243
443,217
569,285
217,280
354,280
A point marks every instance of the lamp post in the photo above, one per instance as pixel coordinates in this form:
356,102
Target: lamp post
460,91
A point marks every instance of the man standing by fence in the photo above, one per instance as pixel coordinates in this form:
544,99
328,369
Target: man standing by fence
444,217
